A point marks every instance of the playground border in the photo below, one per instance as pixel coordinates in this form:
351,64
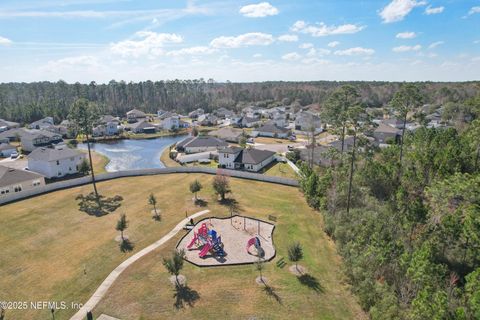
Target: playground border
230,264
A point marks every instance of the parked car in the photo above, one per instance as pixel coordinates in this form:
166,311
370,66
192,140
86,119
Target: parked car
14,155
250,140
290,148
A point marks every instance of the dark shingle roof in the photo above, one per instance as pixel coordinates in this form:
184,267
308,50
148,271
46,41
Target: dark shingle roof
254,156
383,128
6,146
272,129
202,141
50,154
9,176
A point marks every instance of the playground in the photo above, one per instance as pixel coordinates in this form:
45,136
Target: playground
228,241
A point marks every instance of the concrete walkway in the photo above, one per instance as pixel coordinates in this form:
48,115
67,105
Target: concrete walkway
107,283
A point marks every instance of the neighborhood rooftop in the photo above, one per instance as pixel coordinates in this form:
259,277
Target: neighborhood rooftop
10,176
50,154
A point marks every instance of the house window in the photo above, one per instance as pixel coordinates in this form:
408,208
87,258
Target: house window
36,183
17,188
58,162
59,173
69,168
72,158
4,191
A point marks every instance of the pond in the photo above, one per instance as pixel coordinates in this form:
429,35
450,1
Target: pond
133,154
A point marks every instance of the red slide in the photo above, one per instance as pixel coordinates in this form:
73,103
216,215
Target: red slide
206,248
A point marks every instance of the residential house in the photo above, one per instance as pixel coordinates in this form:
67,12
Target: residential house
142,127
245,159
55,163
306,120
7,125
171,123
207,120
135,115
14,180
228,134
252,112
224,113
347,144
385,133
42,124
196,113
7,149
393,122
200,144
271,130
248,122
32,139
319,155
166,114
108,126
279,118
11,135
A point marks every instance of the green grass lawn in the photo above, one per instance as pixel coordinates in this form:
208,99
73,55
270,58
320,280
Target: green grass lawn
167,161
52,251
280,169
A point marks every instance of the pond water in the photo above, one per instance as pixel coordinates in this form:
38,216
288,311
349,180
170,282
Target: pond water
133,154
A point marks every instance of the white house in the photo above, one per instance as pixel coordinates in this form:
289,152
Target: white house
55,163
7,149
244,159
42,123
14,180
247,122
271,130
108,126
135,114
200,144
171,123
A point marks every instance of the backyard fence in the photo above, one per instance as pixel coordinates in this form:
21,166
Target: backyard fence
142,172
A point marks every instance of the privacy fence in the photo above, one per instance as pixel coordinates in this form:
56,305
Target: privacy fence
144,172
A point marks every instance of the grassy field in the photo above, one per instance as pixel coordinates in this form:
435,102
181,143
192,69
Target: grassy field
99,162
53,252
280,169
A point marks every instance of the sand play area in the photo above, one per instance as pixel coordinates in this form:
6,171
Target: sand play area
215,242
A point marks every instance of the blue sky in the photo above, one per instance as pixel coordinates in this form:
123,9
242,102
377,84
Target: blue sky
100,40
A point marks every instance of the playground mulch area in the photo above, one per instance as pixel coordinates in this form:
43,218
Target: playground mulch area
235,233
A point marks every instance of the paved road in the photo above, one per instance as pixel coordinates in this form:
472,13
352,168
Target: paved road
107,283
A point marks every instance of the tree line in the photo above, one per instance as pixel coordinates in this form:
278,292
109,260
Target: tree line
27,102
406,219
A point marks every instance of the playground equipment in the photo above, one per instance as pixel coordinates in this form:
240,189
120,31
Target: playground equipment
208,241
255,242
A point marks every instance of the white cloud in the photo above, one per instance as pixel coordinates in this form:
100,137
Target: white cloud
357,51
5,42
260,10
429,10
306,45
407,48
292,56
257,55
397,10
435,44
474,10
321,29
333,44
476,41
71,63
406,35
243,40
193,51
144,43
288,38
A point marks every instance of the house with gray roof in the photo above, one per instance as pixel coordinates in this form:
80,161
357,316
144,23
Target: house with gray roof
6,125
385,133
42,123
249,122
7,149
271,130
200,144
14,180
228,134
306,120
245,159
55,162
142,127
32,139
135,115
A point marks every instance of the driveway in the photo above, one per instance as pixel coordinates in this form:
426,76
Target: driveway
19,164
278,148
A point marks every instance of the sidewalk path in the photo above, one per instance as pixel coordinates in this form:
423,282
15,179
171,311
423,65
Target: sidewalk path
107,283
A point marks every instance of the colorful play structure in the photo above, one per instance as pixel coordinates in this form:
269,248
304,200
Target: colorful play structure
207,240
255,242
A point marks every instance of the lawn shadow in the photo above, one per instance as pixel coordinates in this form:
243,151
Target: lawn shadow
98,207
232,204
201,202
157,218
126,245
311,282
271,292
184,295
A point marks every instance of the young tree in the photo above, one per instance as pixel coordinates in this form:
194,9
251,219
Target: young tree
243,141
122,225
152,200
295,254
195,187
84,117
337,106
473,136
404,101
221,185
194,131
84,167
174,264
